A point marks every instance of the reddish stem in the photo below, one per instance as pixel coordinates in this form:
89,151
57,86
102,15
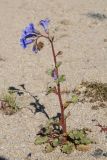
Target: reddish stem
62,119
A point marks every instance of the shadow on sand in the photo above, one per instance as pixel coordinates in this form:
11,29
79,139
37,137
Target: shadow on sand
36,104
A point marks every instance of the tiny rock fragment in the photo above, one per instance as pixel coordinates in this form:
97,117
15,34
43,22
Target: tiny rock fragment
28,156
105,40
97,153
105,154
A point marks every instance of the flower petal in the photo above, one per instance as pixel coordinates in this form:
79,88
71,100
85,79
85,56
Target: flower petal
30,35
29,41
30,28
44,24
54,74
34,49
24,42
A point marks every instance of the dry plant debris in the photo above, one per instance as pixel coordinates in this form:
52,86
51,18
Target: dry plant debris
92,92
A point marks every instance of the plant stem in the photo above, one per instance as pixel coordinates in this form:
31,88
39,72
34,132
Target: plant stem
62,118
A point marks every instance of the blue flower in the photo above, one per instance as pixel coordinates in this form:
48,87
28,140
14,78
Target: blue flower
34,49
25,42
30,29
44,24
30,35
28,32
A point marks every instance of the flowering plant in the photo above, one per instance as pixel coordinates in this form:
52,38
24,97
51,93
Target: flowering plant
31,35
55,132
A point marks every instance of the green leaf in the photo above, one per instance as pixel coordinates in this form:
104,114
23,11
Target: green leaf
85,141
66,104
67,148
49,72
40,140
71,135
49,90
58,64
55,142
79,137
10,99
77,142
74,99
61,79
76,134
59,53
49,148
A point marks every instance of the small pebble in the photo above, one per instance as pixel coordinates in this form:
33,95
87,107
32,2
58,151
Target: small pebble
97,153
105,40
105,154
29,156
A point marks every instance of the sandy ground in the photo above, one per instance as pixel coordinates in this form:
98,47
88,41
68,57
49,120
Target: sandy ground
81,38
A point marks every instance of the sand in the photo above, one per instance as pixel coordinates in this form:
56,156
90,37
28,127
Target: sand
82,39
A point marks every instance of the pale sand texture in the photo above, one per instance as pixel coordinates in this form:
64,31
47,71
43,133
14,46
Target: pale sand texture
81,38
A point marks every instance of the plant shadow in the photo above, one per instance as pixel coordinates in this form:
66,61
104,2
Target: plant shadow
36,104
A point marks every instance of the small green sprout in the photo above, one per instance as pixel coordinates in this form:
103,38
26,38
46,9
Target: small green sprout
8,103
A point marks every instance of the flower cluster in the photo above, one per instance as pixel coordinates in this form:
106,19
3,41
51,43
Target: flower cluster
30,34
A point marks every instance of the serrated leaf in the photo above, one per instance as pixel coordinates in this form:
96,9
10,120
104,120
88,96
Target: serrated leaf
40,140
80,135
67,148
76,134
74,99
49,148
58,64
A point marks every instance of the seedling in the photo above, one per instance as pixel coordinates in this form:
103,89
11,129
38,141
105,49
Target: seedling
8,103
